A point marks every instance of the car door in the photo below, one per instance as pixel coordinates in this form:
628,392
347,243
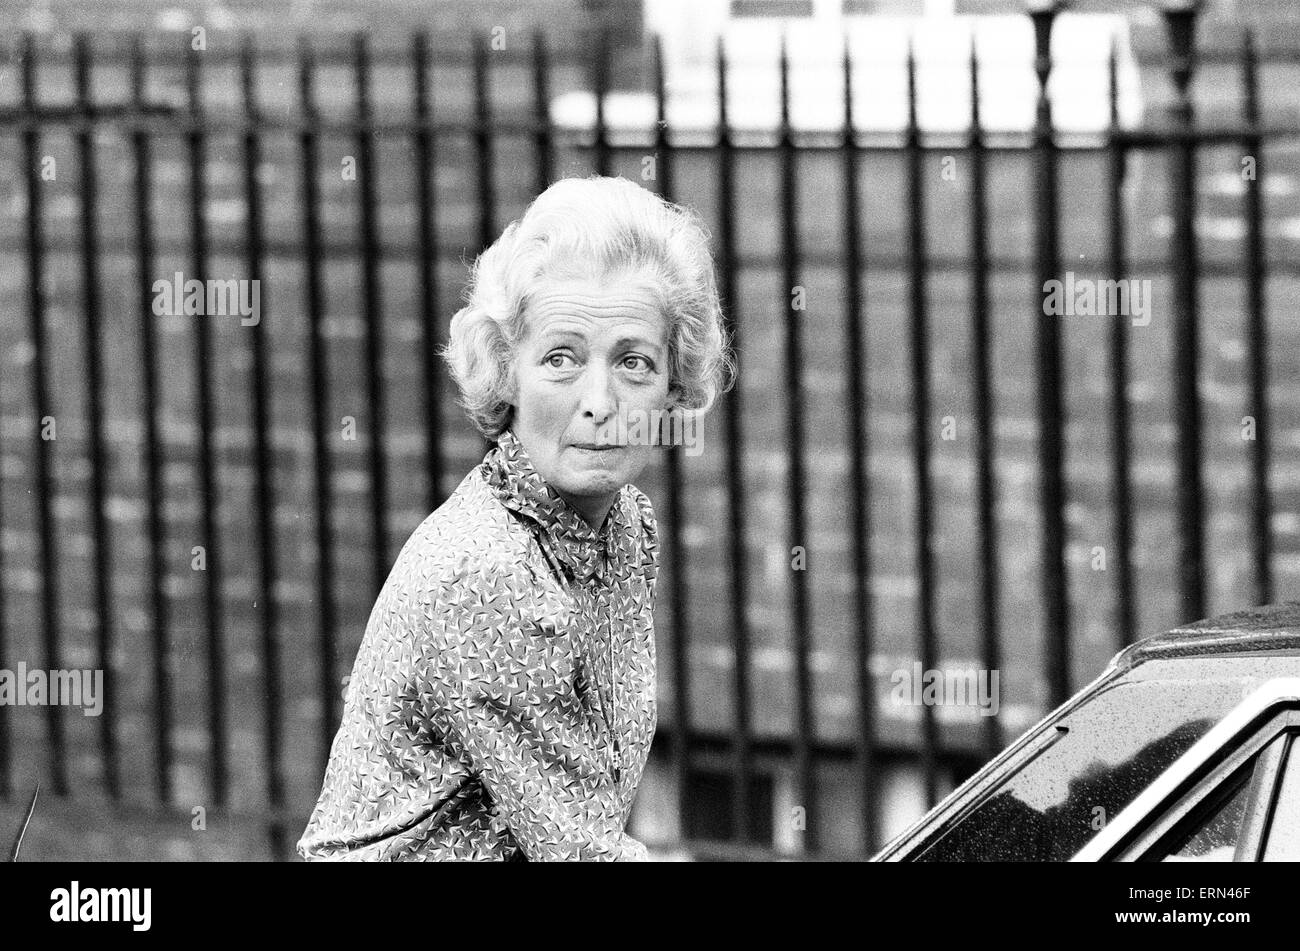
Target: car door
1234,796
1240,818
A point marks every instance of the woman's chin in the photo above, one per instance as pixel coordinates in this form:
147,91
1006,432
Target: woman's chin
590,472
596,478
592,484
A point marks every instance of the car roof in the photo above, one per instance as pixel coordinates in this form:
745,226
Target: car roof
1274,628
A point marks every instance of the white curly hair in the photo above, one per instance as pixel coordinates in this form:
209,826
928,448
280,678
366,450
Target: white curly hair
575,228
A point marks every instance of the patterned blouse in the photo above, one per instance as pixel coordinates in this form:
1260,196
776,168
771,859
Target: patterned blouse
502,702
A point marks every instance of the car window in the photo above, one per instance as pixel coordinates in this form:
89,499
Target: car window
1283,843
1104,754
1211,832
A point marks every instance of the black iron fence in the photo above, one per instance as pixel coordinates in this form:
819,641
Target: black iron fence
262,536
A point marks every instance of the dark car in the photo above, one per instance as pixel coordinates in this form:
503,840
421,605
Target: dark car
1184,749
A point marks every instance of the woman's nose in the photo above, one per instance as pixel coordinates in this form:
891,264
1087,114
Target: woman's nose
598,400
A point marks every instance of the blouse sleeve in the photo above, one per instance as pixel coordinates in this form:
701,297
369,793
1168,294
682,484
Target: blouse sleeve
467,706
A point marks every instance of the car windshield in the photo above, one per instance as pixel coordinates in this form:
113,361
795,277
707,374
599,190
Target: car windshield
1093,764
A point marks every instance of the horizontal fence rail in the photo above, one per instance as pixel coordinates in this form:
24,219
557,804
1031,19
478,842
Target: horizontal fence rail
275,469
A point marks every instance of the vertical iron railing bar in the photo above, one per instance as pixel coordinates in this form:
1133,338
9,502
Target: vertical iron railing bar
151,404
1257,330
263,454
51,615
101,547
1051,398
983,397
805,725
318,376
1121,473
1180,22
733,420
919,343
207,408
862,616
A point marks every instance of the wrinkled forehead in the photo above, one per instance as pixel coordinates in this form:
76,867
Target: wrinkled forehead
581,295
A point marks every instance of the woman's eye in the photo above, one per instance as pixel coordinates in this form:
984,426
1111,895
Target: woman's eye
637,364
556,360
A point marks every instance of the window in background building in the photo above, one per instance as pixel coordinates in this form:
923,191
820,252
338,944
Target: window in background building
771,8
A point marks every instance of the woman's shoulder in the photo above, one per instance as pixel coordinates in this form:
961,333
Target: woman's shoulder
470,533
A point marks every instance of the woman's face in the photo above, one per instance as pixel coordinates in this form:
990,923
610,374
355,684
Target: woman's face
592,347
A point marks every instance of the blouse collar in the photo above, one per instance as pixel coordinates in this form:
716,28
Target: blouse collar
585,551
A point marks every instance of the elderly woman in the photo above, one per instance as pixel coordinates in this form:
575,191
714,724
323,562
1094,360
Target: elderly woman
502,703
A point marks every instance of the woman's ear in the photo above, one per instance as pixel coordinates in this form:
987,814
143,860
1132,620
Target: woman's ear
511,388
